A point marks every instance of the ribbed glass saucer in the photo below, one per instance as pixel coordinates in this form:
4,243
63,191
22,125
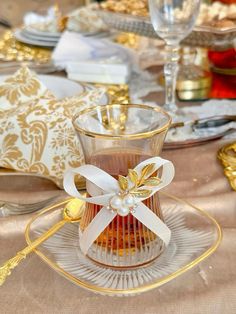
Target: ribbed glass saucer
195,236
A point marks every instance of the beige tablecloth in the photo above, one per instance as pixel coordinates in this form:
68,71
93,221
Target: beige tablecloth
209,288
34,288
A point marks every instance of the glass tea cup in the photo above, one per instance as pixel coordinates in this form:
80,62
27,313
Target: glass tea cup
116,138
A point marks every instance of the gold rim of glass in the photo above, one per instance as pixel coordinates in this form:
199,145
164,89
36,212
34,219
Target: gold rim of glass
123,136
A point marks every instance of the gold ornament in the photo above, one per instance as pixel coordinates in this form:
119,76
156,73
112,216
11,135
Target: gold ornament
13,50
139,182
227,156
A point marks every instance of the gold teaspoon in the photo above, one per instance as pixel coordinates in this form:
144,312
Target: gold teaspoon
71,213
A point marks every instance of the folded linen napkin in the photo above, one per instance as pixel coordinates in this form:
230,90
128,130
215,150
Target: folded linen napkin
37,134
31,18
98,60
85,20
44,23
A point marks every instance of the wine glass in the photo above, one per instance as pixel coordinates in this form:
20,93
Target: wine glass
172,20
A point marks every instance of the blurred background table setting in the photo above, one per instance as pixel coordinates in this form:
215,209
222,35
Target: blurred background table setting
58,59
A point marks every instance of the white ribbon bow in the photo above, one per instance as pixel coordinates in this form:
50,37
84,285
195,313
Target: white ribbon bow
103,187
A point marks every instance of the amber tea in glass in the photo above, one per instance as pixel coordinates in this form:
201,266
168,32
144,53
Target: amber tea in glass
116,138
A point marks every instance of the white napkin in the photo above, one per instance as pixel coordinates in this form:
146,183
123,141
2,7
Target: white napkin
34,18
99,58
86,20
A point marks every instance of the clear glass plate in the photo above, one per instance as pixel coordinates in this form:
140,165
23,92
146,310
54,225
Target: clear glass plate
195,236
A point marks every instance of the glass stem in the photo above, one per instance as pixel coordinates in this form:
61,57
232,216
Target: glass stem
170,71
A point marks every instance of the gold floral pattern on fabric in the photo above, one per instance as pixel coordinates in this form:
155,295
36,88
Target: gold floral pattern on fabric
38,135
9,151
21,87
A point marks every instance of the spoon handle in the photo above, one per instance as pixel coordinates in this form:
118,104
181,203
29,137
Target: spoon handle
5,270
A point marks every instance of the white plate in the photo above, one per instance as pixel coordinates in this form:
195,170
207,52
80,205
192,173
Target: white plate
38,33
42,43
32,36
61,87
34,33
44,40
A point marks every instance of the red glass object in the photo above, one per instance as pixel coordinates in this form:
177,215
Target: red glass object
223,86
223,59
226,1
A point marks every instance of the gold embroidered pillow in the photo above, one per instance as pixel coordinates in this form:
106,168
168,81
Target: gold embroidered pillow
39,136
22,87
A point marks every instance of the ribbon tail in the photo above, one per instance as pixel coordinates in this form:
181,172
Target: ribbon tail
152,222
95,228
